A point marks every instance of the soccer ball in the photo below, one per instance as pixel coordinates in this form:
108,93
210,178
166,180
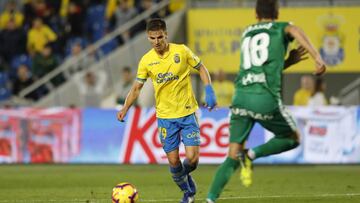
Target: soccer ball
124,193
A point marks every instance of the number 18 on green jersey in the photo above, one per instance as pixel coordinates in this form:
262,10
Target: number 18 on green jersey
263,50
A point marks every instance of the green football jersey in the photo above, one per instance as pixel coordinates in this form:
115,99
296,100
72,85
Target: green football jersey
263,49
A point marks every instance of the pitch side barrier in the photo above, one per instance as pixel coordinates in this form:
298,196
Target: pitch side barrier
329,135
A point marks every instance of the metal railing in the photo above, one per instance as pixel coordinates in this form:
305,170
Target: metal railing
350,95
67,66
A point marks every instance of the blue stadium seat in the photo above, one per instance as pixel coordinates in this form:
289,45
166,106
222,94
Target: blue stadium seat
3,78
96,22
16,62
110,46
4,90
21,59
4,93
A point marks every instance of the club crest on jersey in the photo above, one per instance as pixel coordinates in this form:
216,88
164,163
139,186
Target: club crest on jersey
176,58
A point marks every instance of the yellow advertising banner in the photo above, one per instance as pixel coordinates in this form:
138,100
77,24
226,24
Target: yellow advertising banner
214,35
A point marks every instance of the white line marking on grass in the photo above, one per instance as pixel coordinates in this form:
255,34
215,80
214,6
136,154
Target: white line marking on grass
172,200
265,197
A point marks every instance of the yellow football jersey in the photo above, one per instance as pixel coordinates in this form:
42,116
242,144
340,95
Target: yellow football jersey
170,75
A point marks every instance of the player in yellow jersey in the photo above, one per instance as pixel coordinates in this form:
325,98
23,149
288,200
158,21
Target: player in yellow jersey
169,66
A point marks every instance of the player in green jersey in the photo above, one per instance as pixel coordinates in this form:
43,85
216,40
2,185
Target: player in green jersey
257,93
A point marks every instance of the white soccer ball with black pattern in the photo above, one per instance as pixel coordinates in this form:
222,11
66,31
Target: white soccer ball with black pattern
124,193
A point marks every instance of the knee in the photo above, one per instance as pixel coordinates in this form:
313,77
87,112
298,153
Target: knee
233,156
174,162
192,157
190,164
194,160
234,150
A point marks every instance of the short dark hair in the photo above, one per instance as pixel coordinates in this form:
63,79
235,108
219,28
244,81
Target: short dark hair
267,9
156,24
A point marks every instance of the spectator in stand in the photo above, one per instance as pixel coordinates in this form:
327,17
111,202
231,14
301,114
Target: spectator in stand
23,80
11,14
110,8
45,10
75,17
12,41
54,6
85,62
124,88
42,10
318,97
123,14
29,13
141,26
49,11
39,36
3,65
302,95
142,6
91,87
45,62
224,89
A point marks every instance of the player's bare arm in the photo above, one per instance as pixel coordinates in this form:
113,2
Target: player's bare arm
130,99
304,41
204,75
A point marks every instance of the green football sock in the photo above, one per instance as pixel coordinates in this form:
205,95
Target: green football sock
222,176
275,146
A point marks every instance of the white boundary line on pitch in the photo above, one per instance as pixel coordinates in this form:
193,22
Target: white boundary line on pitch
269,197
172,200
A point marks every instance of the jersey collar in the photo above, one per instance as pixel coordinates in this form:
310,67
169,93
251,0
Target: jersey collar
166,54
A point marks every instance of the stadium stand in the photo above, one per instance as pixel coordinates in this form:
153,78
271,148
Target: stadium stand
59,25
92,26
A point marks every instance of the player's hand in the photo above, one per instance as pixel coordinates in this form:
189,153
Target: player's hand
320,66
210,99
121,114
296,55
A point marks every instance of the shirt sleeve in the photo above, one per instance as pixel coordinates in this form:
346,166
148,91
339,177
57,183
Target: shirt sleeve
193,60
50,34
142,73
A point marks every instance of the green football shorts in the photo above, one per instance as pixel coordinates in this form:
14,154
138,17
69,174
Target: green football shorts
262,108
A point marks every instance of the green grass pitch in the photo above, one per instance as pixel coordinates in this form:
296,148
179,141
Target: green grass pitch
93,183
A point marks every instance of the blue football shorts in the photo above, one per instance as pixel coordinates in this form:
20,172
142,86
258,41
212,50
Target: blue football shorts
173,131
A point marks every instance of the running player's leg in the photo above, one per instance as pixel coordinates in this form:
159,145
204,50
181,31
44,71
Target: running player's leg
190,164
192,158
286,135
190,134
240,128
178,171
170,139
